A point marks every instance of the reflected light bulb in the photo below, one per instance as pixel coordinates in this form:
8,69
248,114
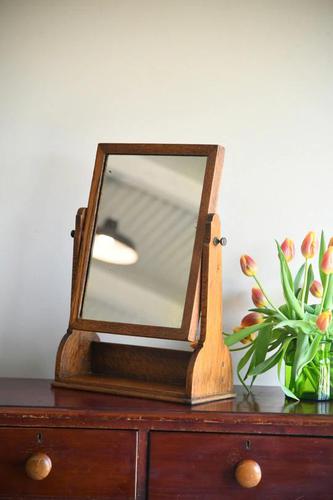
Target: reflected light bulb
113,251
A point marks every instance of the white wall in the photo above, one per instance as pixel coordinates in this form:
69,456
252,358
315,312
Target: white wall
254,76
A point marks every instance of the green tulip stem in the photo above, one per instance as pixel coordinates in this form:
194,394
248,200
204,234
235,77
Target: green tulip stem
267,298
324,294
305,282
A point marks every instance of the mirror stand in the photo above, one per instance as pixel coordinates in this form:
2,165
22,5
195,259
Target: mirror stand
203,375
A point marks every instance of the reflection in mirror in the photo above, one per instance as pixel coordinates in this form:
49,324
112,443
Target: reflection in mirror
143,242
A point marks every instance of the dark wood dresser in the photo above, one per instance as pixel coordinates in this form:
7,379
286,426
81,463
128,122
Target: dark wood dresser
99,446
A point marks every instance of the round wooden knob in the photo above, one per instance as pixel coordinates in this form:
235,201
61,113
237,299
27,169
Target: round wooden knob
248,473
38,466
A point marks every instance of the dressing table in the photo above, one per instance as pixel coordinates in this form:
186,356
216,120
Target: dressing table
103,446
142,404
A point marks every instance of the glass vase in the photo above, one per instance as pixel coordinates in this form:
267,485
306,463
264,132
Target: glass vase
316,378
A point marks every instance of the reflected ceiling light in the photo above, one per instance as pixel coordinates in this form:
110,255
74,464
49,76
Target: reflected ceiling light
112,247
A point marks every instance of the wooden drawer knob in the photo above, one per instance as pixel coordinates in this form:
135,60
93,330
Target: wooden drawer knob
248,473
38,466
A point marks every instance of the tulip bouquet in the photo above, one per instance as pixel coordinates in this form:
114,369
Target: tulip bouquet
298,333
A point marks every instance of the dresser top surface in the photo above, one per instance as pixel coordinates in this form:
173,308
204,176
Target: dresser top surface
38,393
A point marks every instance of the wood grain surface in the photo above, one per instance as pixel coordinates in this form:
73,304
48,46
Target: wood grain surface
85,463
198,467
106,446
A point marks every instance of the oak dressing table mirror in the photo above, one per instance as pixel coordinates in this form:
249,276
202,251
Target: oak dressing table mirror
147,264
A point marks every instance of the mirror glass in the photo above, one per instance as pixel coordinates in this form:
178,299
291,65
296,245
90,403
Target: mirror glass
143,241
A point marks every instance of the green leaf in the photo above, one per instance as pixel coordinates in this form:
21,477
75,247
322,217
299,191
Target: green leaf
237,336
263,310
298,279
285,389
278,336
261,344
240,348
328,302
317,310
310,308
322,250
288,292
330,330
286,270
267,364
309,354
311,316
251,365
289,354
242,362
284,308
302,344
305,326
309,281
274,345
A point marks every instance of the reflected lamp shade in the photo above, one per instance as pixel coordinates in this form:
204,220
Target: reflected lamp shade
112,247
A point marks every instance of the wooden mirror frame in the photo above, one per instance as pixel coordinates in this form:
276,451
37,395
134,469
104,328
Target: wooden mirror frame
209,196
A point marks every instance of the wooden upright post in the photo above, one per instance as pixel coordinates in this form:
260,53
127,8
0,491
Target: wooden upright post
210,371
203,375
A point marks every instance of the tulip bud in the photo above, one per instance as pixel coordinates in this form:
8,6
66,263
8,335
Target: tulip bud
252,318
323,321
249,339
248,265
288,248
316,289
238,329
309,245
258,297
327,261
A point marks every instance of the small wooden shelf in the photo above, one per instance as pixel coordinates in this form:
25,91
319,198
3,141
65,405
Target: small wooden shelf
136,388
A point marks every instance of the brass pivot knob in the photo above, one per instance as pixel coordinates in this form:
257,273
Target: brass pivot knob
38,466
220,241
248,473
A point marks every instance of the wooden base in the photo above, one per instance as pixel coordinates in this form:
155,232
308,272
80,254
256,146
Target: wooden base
139,389
163,374
199,376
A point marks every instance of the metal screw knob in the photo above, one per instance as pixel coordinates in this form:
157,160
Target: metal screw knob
222,241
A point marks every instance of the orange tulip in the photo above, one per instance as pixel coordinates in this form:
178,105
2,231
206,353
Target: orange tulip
323,321
258,297
246,340
316,289
331,242
327,261
248,265
250,319
238,329
309,245
250,338
288,248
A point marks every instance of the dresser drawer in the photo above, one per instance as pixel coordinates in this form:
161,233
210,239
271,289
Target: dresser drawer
94,464
202,466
